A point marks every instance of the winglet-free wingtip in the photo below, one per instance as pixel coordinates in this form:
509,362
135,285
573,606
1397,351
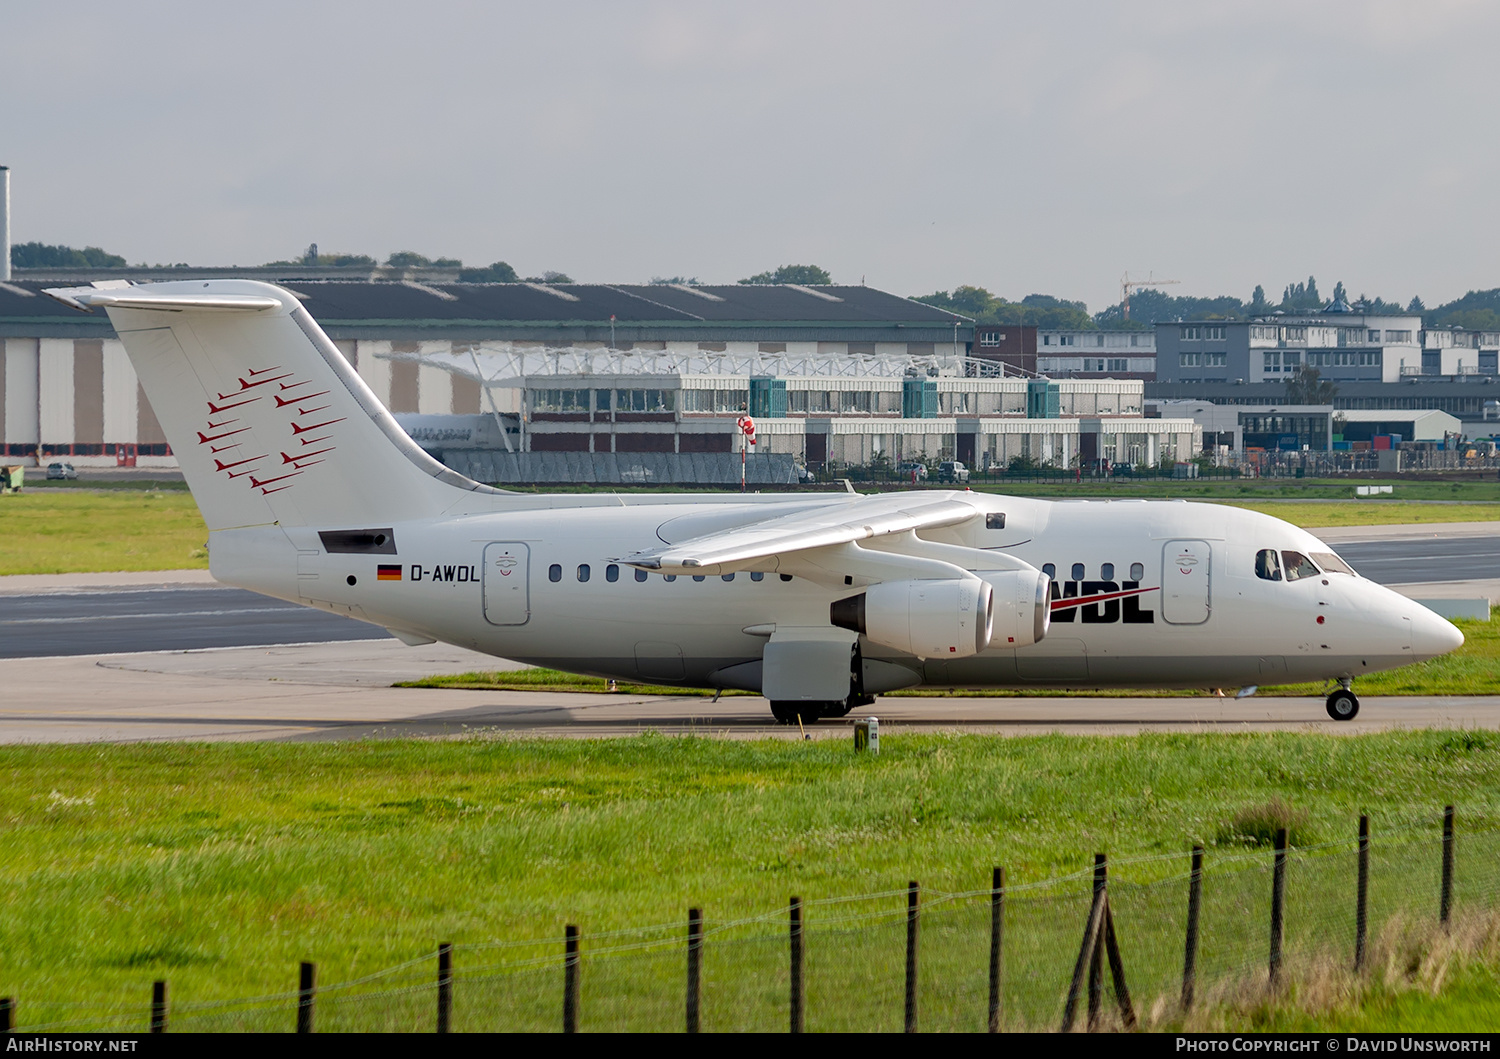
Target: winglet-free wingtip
68,296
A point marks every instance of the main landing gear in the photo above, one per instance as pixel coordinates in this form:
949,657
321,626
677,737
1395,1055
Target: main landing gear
1343,704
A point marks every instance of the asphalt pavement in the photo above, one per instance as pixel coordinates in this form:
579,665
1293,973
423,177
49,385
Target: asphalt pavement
1403,562
87,622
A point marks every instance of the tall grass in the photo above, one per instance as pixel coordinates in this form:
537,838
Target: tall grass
220,867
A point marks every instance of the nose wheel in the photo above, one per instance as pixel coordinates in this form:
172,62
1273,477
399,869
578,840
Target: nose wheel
1343,705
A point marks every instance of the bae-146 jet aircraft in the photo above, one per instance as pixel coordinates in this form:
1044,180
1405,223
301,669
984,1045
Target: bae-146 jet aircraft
314,495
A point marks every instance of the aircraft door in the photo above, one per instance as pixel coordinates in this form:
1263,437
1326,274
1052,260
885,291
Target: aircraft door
507,587
1185,587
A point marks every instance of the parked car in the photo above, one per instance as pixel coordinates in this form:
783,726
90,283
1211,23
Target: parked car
952,471
908,470
60,472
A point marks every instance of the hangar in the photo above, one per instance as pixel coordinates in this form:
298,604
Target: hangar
483,373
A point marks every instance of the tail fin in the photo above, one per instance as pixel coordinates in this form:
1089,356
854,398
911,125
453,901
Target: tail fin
266,418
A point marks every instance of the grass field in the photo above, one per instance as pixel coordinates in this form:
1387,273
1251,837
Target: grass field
221,866
87,531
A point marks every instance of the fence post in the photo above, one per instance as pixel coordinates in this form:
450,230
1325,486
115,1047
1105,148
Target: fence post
997,944
307,988
1085,958
1362,895
796,940
694,965
913,912
445,986
1445,900
570,979
1096,964
1278,895
158,1007
1190,951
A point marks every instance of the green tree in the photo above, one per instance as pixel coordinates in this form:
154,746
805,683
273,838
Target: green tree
41,255
1339,294
803,275
1309,387
499,272
310,256
1035,310
1415,305
681,281
410,259
550,277
1148,306
1258,304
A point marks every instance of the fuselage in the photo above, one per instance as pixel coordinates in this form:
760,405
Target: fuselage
1145,593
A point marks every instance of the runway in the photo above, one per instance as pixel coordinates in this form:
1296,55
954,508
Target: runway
159,619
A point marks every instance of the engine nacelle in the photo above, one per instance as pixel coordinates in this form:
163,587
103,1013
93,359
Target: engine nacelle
1023,607
929,619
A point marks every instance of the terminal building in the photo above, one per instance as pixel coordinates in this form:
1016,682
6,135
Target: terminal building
1308,428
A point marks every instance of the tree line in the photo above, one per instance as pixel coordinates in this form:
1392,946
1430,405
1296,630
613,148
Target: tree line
1476,310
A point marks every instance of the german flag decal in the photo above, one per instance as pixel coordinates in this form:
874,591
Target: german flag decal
388,573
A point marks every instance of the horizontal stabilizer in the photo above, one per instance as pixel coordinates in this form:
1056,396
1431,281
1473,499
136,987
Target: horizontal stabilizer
86,298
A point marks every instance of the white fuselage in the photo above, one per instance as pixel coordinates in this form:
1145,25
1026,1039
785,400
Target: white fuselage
1176,600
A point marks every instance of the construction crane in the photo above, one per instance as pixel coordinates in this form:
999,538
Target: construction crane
1127,285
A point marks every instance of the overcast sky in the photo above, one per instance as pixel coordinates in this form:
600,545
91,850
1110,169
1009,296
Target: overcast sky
1022,147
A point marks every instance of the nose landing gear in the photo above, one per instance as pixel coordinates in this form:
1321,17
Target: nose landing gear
1343,704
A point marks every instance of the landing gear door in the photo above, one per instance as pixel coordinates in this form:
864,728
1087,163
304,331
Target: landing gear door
1185,586
507,583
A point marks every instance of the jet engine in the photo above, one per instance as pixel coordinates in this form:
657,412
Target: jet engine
1023,607
929,619
951,618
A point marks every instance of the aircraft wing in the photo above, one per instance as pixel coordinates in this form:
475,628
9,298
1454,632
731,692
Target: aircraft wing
862,519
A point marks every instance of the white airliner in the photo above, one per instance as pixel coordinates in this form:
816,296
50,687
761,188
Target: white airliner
313,494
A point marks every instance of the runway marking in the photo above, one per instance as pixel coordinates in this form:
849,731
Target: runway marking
148,617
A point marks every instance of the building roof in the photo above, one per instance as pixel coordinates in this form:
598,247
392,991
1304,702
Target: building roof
565,312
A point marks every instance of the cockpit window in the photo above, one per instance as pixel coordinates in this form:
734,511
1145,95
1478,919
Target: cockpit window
1267,566
1298,566
1332,564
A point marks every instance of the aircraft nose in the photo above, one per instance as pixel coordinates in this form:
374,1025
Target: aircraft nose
1432,635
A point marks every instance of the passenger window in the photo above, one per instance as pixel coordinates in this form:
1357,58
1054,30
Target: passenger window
994,520
554,572
1050,569
756,575
1298,566
611,572
640,575
786,577
1137,571
583,571
1267,568
1107,572
669,577
1332,564
726,577
699,577
1077,571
